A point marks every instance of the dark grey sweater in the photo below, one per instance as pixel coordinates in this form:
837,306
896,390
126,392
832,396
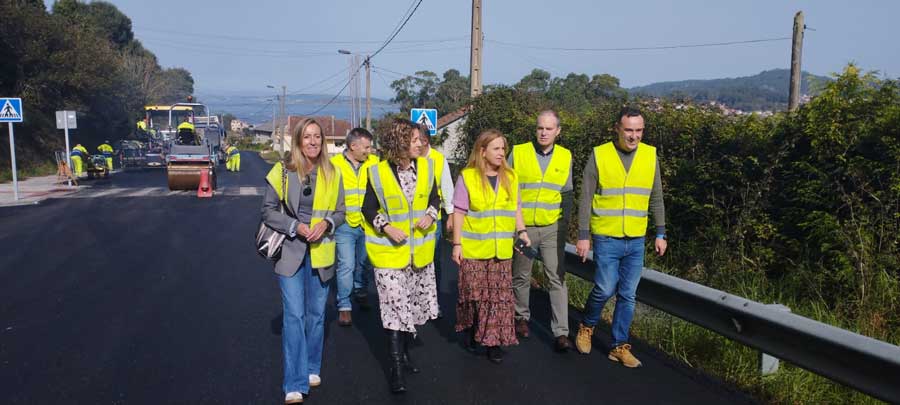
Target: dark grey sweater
589,187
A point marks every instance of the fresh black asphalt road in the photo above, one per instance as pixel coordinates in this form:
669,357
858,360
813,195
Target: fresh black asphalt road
162,299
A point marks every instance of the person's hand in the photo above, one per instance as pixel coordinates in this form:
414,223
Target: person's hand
661,245
581,249
317,231
456,254
424,222
450,224
303,230
525,238
395,234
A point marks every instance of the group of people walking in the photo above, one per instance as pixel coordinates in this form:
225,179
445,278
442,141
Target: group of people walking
354,211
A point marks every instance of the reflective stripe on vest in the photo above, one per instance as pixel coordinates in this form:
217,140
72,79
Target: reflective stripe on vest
418,248
354,186
541,196
619,208
324,204
490,224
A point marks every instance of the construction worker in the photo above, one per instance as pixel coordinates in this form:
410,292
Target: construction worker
353,264
142,125
186,133
545,180
232,158
107,152
79,153
445,192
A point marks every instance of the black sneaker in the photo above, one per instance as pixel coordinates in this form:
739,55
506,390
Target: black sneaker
495,354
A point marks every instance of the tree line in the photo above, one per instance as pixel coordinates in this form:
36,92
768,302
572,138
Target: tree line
83,57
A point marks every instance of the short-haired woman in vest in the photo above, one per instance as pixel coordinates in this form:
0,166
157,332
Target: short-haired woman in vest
309,188
400,208
487,217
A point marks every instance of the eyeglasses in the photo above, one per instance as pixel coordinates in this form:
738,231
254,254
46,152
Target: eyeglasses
307,189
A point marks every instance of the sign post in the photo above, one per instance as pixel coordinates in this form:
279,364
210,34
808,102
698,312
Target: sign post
66,120
426,117
10,112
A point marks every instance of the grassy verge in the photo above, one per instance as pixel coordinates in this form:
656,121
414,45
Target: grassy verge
27,170
728,360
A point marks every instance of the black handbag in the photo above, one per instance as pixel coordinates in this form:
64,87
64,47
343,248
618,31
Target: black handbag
268,240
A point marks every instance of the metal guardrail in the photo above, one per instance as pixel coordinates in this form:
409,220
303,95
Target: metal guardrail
868,365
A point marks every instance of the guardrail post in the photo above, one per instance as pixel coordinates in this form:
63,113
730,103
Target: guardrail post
769,364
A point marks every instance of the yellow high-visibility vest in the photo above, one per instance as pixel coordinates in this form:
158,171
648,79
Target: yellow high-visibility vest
105,148
541,198
187,125
489,227
324,204
354,186
142,125
619,207
418,248
438,159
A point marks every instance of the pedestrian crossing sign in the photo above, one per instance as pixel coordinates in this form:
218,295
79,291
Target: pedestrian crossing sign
10,109
426,117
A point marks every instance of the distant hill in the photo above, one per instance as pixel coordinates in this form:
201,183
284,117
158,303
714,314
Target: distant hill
765,91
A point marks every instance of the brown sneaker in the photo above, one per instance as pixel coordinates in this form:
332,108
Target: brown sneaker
622,354
522,328
344,318
583,339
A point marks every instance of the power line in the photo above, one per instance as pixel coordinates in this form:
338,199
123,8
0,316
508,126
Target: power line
398,30
643,48
282,40
320,81
338,93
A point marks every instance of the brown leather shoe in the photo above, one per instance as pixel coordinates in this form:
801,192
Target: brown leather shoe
622,354
522,328
562,344
344,318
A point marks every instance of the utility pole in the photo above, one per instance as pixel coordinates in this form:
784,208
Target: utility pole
284,123
796,52
274,119
475,58
368,95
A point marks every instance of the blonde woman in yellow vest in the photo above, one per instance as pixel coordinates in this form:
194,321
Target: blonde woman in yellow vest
353,263
545,177
313,202
400,208
445,192
621,184
487,218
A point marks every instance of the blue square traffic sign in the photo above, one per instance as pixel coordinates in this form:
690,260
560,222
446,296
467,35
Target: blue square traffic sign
425,116
10,110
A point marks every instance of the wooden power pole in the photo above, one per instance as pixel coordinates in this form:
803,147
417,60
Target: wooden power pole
368,95
475,60
796,52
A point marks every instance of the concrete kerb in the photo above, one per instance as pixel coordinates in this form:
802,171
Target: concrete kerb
34,190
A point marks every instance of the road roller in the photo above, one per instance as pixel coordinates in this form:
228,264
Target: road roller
185,165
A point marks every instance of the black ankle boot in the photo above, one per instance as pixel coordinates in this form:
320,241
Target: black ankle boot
495,354
407,361
397,382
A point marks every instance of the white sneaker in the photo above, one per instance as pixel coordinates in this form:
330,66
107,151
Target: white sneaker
314,380
293,398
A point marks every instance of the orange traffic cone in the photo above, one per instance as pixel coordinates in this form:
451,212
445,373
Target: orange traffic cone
204,191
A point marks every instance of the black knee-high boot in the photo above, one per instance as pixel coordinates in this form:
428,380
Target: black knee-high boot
395,348
407,360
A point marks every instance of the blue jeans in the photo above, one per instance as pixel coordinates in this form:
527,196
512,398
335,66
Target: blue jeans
352,262
617,270
303,296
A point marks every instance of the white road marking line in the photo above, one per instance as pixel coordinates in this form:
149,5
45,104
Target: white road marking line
109,192
249,191
144,191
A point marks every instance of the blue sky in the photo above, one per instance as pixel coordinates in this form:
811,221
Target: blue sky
243,46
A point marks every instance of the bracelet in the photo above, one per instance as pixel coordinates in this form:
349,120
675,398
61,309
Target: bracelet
457,244
661,236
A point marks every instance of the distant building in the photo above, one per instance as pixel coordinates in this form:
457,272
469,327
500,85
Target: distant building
335,131
453,123
238,125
